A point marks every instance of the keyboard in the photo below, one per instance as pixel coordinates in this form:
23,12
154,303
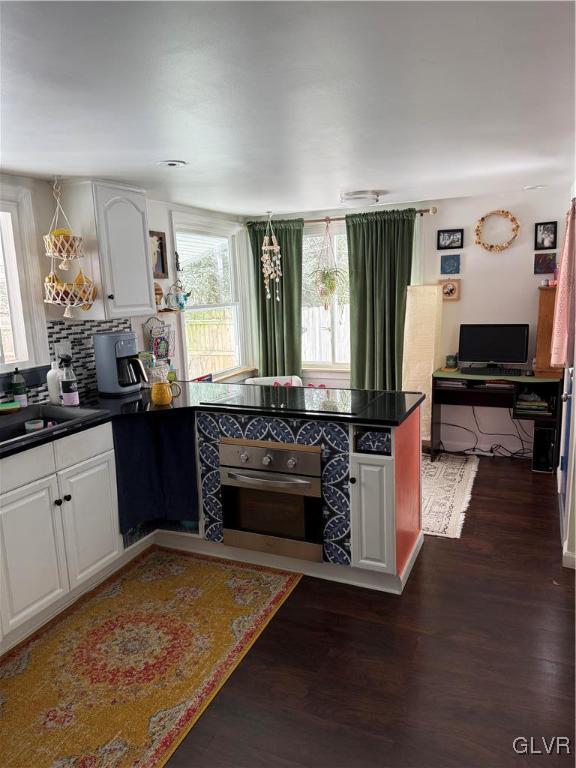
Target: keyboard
487,371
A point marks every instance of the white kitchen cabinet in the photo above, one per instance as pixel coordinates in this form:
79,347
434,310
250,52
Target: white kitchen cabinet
112,219
90,516
32,555
372,512
122,227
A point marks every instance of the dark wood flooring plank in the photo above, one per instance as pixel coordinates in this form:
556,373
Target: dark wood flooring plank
477,651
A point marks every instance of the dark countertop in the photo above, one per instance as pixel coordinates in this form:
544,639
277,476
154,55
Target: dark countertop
347,405
356,406
62,429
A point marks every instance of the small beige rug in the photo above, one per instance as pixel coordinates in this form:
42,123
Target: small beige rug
446,490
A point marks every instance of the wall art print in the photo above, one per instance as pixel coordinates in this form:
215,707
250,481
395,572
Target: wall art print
450,264
335,443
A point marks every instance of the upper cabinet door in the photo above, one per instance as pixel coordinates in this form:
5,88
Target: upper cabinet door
122,226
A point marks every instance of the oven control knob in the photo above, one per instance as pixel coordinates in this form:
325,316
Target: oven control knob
291,463
267,460
244,457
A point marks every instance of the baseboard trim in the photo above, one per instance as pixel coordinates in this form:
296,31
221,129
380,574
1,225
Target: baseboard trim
568,559
356,577
24,631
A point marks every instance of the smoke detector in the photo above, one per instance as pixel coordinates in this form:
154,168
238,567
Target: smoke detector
363,197
173,163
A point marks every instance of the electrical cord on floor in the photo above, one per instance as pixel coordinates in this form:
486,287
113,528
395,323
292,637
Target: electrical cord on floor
496,434
496,449
518,424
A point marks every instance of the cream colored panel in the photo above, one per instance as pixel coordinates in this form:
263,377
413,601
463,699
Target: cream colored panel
422,355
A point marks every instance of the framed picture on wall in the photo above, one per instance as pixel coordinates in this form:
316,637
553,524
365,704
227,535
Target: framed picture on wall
450,289
545,234
450,264
544,263
158,254
447,239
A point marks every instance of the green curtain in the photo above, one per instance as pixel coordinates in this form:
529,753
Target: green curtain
380,262
280,322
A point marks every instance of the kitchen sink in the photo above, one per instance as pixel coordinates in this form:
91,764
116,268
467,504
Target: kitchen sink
61,418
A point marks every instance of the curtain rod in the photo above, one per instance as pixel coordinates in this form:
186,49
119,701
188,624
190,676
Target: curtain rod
421,211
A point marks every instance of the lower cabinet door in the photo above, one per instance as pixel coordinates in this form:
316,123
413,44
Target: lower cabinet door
372,514
32,559
90,516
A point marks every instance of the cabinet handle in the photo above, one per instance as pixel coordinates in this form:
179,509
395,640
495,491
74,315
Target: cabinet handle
352,480
111,296
68,497
58,502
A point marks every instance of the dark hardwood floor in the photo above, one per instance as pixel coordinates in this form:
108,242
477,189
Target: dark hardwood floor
477,651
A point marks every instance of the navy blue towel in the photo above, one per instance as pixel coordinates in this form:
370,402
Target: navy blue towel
155,467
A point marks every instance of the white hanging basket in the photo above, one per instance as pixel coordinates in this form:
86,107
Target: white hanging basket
65,248
60,243
79,294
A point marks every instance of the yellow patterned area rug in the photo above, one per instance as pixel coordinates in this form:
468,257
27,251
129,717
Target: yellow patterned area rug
122,676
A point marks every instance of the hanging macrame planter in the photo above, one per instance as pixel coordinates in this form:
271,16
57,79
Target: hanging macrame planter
271,261
63,248
328,277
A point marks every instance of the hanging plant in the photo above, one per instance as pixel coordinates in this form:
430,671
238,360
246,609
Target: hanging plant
329,279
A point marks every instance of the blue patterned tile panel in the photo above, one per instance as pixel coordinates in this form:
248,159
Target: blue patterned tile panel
332,437
377,441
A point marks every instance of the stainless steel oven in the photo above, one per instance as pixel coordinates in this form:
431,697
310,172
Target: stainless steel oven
272,497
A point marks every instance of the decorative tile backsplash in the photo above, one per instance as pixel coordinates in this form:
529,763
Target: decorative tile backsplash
335,443
78,334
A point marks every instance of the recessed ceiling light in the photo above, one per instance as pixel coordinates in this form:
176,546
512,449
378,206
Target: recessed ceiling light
173,163
362,197
535,186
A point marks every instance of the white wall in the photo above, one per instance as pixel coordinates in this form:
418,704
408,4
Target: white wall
495,288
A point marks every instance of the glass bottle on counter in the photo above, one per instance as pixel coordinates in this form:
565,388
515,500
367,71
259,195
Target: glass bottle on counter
68,383
18,387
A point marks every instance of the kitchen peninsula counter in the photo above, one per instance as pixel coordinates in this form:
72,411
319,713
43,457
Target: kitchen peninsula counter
383,408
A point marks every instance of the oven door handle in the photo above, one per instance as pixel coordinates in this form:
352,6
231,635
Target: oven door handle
266,482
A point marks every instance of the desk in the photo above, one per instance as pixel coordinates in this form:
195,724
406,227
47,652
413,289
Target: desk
476,390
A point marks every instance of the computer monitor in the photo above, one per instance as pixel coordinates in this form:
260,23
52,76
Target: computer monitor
505,343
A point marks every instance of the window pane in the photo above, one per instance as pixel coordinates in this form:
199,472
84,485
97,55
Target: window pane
211,340
325,331
13,346
206,268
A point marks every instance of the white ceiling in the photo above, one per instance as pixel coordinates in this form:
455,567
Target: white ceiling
284,105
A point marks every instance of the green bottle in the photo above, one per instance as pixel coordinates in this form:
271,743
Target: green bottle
18,385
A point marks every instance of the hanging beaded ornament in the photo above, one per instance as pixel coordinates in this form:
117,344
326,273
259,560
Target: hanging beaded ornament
271,260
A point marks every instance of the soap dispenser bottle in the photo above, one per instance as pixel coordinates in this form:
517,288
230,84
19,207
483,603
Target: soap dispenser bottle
53,383
18,387
68,384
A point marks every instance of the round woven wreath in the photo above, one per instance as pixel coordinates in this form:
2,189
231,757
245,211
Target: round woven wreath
497,247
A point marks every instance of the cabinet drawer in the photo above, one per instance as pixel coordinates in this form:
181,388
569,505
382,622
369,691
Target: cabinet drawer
25,467
83,445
